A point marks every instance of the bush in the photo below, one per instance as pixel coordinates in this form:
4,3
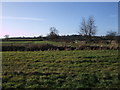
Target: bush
42,47
35,47
13,48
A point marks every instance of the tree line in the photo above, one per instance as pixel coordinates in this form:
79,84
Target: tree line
87,29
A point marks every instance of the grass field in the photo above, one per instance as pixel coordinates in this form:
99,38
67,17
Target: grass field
8,43
23,43
61,69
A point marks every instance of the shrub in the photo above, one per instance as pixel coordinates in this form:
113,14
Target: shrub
42,47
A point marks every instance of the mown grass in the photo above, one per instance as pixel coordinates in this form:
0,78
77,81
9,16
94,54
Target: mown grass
9,43
61,69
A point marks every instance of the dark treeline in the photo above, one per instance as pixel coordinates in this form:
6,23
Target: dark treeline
68,38
65,38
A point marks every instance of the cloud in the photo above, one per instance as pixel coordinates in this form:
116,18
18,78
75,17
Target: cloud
22,18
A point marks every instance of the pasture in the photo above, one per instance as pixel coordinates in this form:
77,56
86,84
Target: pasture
61,69
75,44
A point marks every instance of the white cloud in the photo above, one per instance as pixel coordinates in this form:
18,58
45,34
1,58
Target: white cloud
22,18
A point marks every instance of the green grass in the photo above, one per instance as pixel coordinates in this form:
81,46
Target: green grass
23,43
61,69
8,43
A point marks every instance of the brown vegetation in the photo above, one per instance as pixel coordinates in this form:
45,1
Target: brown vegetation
44,47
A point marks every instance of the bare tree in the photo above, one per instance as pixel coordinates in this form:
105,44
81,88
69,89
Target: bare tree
83,28
53,33
89,28
111,35
6,36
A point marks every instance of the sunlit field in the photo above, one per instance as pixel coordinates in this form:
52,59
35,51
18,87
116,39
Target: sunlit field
61,69
51,45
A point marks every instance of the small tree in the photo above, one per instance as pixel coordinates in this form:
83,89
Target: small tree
88,28
6,37
53,33
111,35
83,28
91,26
40,37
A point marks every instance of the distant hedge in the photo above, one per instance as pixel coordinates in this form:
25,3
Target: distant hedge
36,47
44,47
